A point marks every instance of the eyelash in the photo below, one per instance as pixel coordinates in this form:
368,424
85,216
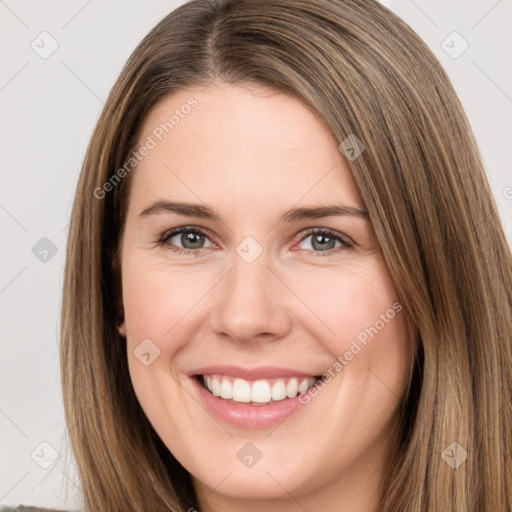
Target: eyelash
346,243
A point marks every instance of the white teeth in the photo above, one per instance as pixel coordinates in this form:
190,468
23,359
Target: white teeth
241,391
292,388
257,392
279,390
215,389
303,386
261,391
226,389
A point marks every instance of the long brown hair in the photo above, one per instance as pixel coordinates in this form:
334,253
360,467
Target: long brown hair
421,177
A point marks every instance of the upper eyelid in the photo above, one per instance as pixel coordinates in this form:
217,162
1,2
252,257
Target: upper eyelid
179,229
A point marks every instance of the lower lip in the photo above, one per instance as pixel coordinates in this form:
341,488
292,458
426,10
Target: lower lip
245,415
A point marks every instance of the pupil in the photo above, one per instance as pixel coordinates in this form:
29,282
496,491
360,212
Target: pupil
323,244
189,237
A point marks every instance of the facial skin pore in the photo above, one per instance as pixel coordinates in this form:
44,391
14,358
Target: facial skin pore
250,154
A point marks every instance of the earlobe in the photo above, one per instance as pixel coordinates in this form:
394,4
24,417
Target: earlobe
122,329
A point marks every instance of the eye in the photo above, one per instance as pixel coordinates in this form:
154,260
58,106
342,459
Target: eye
323,242
190,238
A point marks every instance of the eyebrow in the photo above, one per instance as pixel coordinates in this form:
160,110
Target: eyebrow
291,215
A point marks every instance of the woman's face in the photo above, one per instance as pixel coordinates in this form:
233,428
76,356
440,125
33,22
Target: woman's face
247,300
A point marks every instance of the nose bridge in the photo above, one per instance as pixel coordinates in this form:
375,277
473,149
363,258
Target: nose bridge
250,301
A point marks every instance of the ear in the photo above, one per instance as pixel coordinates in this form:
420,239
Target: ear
118,294
122,329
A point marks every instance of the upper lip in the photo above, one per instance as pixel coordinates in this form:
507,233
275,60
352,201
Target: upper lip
260,372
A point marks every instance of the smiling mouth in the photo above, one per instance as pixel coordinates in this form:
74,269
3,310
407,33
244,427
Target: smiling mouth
255,392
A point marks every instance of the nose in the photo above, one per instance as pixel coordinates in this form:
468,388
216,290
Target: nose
251,303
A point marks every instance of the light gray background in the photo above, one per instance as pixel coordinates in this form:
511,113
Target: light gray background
49,107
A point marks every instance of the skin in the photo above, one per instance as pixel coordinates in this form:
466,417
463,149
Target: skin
252,153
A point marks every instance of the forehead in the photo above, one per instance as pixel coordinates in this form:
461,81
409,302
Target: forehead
245,143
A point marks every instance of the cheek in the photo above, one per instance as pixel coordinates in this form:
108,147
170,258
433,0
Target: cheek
157,299
360,321
356,301
158,302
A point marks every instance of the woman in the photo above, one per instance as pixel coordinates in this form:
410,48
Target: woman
338,334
